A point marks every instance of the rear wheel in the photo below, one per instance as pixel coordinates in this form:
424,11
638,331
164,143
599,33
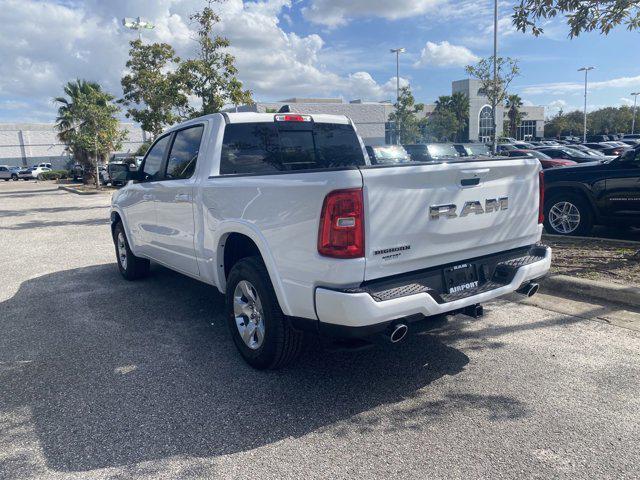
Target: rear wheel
261,332
130,266
14,177
568,214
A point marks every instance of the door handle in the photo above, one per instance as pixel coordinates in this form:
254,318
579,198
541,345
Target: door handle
147,197
182,198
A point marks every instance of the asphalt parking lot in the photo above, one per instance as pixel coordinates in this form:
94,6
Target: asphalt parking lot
102,378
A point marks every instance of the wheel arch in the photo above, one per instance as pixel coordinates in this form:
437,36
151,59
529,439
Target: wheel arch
117,216
558,190
238,240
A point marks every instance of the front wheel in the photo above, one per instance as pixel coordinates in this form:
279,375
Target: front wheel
130,266
261,332
568,214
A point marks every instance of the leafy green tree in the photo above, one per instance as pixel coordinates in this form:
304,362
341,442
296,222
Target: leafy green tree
581,16
87,123
153,88
442,126
610,120
565,124
458,105
494,89
406,114
212,76
513,105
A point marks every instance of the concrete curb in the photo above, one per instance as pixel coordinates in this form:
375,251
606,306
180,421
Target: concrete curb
566,286
79,192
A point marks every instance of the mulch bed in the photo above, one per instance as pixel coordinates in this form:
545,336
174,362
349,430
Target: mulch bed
603,260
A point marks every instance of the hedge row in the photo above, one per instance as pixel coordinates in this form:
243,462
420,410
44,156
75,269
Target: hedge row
54,175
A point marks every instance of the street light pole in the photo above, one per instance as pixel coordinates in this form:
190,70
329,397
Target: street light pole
494,103
635,104
397,51
586,73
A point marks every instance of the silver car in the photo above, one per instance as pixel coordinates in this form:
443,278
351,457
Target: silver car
8,173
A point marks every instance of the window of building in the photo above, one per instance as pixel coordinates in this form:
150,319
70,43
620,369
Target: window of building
487,130
526,130
390,133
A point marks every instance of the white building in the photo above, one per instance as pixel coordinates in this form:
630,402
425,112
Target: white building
481,121
371,118
25,144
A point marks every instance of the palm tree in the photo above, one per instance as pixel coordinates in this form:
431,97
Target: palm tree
514,104
443,103
70,116
459,105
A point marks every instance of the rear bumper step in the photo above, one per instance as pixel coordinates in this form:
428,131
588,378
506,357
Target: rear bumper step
421,293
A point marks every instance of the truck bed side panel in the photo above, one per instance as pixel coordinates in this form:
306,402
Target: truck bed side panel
284,212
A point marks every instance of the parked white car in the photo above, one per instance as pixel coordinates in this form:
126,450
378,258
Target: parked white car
38,170
285,215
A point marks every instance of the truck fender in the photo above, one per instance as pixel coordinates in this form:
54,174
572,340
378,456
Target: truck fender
226,228
116,212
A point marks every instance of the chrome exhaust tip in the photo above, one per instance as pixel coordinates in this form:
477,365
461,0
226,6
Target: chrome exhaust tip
529,290
397,332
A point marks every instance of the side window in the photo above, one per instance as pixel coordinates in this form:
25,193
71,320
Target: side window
184,153
153,160
250,148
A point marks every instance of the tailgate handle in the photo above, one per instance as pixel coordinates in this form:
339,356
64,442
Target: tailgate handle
470,182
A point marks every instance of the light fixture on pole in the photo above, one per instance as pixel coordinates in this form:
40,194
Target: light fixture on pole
397,51
137,24
586,73
635,104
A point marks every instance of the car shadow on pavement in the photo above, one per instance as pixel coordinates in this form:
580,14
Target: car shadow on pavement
114,373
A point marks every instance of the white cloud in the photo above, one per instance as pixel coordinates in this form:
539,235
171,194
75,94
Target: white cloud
333,13
573,87
444,54
44,45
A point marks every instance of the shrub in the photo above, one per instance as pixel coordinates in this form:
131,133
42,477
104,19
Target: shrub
54,175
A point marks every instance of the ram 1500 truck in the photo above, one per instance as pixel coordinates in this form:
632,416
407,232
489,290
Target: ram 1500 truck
285,215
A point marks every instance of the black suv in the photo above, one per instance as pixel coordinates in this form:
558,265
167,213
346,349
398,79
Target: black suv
602,193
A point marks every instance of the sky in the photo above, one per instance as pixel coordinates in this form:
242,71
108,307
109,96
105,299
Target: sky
312,48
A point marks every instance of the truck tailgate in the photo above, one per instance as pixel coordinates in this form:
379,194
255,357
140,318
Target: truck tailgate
422,216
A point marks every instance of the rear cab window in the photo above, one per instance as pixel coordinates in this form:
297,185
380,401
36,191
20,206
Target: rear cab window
272,147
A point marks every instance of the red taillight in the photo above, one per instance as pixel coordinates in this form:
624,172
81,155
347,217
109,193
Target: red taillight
341,233
541,204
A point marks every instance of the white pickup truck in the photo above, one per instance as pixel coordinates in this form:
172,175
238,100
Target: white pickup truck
285,215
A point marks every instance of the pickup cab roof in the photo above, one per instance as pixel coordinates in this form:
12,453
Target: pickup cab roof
252,117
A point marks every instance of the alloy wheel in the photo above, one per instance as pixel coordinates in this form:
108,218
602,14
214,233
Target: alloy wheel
564,217
249,315
122,250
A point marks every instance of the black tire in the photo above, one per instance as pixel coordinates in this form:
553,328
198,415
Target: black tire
14,177
586,214
6,179
133,267
282,344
